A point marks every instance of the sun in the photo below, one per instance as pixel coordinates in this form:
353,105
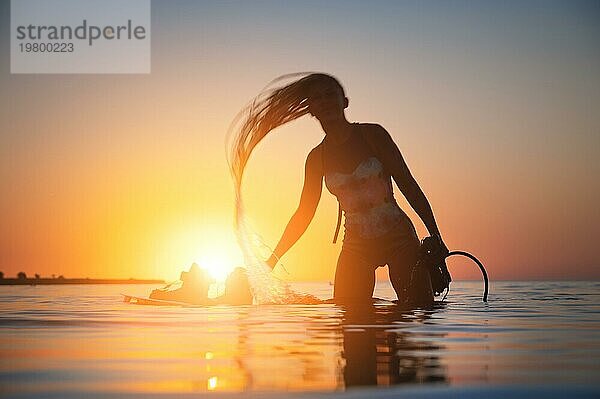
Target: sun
218,265
212,246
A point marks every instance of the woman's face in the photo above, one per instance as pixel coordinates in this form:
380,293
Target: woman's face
326,102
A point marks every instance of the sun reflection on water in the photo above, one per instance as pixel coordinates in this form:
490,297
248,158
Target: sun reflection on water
211,383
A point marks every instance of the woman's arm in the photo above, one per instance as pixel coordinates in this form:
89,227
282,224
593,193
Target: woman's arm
309,199
407,184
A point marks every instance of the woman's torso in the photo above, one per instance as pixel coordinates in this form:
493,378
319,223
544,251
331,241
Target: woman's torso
357,177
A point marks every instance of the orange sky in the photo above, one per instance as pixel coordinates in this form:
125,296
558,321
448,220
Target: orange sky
126,176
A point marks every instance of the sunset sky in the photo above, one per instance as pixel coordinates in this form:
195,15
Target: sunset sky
494,105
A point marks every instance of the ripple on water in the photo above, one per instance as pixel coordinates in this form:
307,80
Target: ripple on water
84,338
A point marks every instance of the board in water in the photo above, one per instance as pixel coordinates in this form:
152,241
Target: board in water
136,300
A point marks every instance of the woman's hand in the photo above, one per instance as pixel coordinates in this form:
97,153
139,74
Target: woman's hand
271,262
441,245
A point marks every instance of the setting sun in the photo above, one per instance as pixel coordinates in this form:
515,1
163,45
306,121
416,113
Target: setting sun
211,245
218,264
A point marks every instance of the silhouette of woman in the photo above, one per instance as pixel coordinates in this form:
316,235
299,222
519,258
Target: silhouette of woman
356,161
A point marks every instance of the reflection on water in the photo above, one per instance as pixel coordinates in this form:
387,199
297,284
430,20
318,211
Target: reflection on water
342,347
377,354
83,338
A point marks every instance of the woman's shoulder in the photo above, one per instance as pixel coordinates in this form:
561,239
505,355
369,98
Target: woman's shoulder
372,128
315,156
374,134
316,151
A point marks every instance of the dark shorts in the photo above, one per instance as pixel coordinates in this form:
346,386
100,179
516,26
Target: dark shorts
379,251
359,257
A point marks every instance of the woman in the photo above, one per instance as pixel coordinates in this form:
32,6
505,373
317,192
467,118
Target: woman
357,162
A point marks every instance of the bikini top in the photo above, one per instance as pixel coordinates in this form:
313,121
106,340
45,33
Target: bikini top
364,192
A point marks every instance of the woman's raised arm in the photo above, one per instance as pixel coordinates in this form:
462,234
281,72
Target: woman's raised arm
309,199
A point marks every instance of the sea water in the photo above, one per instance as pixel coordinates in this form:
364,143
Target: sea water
531,338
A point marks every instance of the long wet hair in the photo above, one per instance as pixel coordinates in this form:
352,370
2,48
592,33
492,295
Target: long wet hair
271,108
274,106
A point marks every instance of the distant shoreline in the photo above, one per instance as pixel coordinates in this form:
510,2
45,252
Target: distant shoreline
62,281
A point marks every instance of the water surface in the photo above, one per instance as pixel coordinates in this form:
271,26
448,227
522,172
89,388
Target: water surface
83,339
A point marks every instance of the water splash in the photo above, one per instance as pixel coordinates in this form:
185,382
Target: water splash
266,288
271,108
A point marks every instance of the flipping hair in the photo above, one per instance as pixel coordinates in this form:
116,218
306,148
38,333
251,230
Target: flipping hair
270,109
